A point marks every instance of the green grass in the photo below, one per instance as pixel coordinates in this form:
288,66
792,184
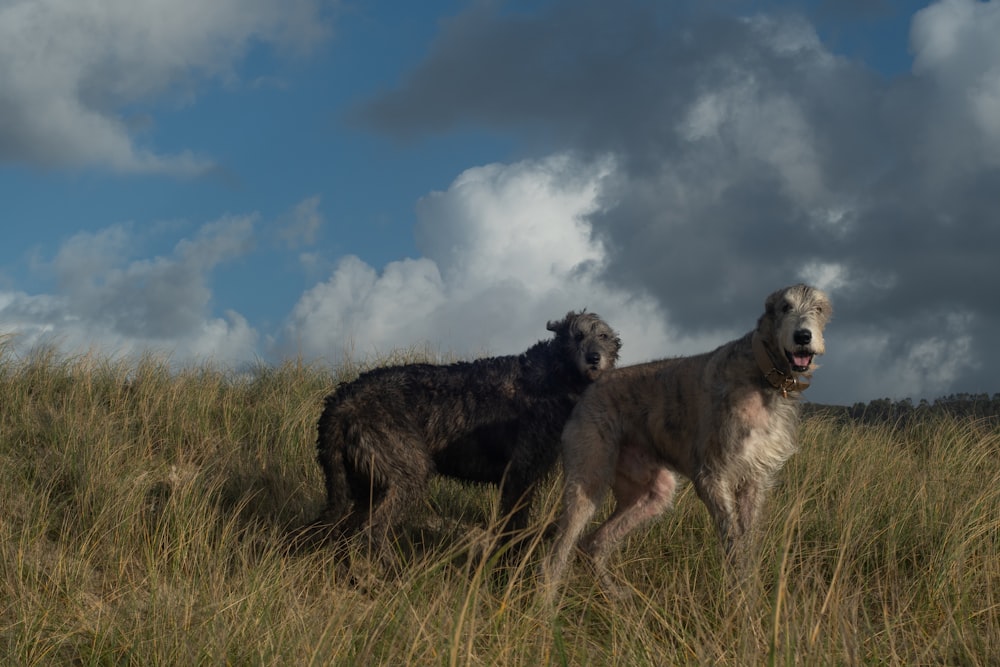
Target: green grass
144,515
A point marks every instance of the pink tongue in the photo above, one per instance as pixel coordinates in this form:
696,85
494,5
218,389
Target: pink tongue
802,359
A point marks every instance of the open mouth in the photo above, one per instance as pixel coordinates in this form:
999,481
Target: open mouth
800,361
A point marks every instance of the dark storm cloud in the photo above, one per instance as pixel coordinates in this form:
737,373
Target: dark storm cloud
750,156
622,78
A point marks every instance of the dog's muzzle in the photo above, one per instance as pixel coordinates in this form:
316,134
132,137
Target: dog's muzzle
594,365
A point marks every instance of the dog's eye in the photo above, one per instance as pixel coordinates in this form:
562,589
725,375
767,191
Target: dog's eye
579,336
786,307
603,336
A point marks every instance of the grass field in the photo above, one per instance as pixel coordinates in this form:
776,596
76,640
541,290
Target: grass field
144,514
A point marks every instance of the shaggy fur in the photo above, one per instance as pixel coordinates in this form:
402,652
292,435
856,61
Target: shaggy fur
494,420
714,418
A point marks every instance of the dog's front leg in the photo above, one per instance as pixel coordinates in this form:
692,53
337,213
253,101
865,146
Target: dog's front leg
515,504
579,505
715,491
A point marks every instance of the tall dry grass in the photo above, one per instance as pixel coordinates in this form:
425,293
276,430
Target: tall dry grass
144,516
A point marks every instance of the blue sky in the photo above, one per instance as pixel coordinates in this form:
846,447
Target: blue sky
264,179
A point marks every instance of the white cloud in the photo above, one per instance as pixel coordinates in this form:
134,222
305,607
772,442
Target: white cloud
825,276
109,302
506,248
301,226
68,67
357,307
522,222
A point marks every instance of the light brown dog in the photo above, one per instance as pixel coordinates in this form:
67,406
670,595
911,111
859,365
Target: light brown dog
726,420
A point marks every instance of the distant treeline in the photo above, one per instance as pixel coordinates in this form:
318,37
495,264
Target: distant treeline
883,410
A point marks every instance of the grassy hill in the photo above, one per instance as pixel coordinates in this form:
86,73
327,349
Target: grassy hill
144,516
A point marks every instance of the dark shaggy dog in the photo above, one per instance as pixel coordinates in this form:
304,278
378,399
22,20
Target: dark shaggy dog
495,420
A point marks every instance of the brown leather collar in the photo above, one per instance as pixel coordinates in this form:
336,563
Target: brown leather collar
783,382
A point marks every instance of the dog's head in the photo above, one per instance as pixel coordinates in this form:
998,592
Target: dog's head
592,345
792,325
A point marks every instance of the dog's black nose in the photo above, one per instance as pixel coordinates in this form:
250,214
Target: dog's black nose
593,358
802,336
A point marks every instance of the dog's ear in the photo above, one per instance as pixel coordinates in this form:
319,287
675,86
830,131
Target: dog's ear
561,325
772,301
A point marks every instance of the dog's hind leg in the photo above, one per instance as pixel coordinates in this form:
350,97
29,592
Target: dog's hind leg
636,502
330,456
402,488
